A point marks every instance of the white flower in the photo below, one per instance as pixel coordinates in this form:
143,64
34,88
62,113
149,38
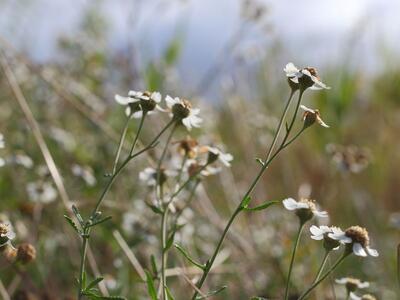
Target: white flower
357,239
306,77
6,233
352,284
311,116
22,160
182,110
215,153
137,102
149,176
304,204
85,173
41,191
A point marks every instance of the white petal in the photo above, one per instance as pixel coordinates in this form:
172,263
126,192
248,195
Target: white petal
290,70
317,237
128,111
359,250
171,101
316,230
290,204
156,96
354,296
187,123
137,114
372,252
363,285
321,214
122,100
305,108
341,280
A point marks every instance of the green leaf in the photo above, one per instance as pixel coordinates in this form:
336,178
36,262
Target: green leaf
187,256
154,265
154,208
100,221
170,241
84,279
93,283
73,224
169,294
150,286
78,215
245,202
261,207
213,293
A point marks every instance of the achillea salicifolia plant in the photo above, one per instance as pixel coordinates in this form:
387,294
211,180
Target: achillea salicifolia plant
176,183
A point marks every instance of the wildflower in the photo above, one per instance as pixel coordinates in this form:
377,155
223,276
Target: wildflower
303,78
188,147
363,297
6,233
183,112
41,191
26,253
352,284
194,167
305,209
138,102
216,154
22,160
311,116
357,240
322,233
149,175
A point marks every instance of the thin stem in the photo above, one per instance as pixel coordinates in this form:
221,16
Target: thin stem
296,244
152,144
315,284
120,144
138,132
322,266
348,295
252,186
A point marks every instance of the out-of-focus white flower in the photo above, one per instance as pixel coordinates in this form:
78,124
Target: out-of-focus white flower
357,240
363,297
352,284
216,154
305,78
305,209
85,173
322,233
149,176
137,102
22,160
311,116
2,144
41,191
182,110
6,233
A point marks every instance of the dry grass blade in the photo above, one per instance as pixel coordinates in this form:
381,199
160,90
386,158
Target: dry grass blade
3,292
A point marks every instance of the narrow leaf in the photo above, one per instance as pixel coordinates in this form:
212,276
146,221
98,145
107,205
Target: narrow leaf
187,256
72,223
93,283
169,294
170,241
245,202
100,221
213,293
154,208
154,265
150,286
259,160
77,215
262,206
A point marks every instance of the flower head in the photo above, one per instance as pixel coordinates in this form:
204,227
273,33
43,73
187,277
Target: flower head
26,253
194,168
182,111
357,240
188,147
6,233
352,284
311,116
216,154
41,191
303,78
138,102
149,175
305,209
322,233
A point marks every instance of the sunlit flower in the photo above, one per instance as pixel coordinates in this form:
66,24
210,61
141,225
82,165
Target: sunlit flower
322,233
41,191
305,209
304,78
357,240
311,116
137,102
6,233
363,297
216,154
352,284
182,111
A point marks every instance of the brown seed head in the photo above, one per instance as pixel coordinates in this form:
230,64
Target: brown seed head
358,235
352,284
306,214
181,110
188,147
26,253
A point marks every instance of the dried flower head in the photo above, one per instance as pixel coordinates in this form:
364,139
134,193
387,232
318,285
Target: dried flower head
311,116
215,154
357,240
6,233
352,284
9,252
303,78
138,102
26,253
322,233
183,112
188,147
305,209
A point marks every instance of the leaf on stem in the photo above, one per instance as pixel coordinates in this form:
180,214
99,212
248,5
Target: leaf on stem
73,224
213,293
188,257
100,221
260,161
150,286
78,215
169,294
154,208
245,202
170,241
261,207
93,283
153,265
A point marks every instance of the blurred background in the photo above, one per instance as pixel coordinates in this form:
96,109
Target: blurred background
227,56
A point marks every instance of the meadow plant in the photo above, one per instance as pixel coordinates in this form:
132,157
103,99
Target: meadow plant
172,180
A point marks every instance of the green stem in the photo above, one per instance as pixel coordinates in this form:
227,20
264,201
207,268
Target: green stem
315,284
138,132
265,165
296,244
120,144
322,266
104,193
